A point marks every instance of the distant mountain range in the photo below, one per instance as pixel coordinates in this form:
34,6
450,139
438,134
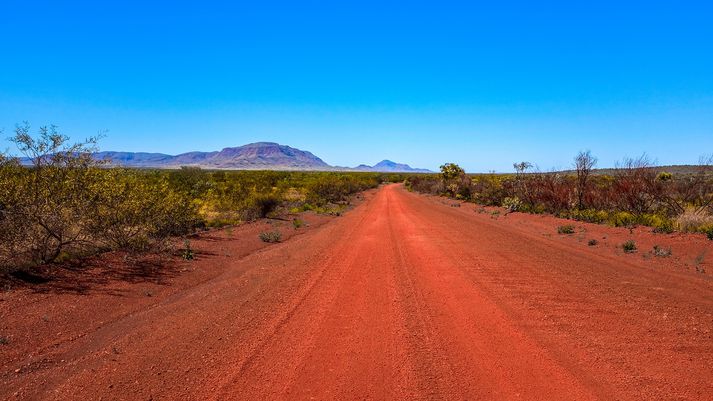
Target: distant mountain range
253,156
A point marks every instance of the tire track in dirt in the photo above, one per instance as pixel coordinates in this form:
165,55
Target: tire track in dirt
597,318
346,333
492,358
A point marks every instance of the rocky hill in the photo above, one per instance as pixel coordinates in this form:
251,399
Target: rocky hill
253,156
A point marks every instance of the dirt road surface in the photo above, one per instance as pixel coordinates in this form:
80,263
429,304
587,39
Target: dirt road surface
404,297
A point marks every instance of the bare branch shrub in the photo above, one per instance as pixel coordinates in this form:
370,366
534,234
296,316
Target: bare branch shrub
635,185
584,162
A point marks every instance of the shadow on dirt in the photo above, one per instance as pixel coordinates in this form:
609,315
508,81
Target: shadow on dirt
93,275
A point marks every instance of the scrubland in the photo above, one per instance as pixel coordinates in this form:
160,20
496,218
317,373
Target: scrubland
66,204
634,193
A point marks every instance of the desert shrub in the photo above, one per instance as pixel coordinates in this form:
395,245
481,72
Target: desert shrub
451,171
660,224
270,236
566,229
634,193
133,210
488,189
664,176
427,183
297,223
661,251
325,188
552,192
260,205
65,204
536,209
635,185
688,193
584,162
512,204
44,210
455,182
187,252
694,221
588,215
629,246
592,242
622,219
14,233
192,181
709,234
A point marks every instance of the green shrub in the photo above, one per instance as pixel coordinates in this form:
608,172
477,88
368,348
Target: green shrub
709,233
629,246
664,176
187,252
665,226
512,204
261,205
623,219
135,211
659,223
566,229
66,205
44,207
588,215
297,223
271,236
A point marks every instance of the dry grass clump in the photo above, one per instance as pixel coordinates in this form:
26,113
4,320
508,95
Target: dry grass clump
694,221
270,236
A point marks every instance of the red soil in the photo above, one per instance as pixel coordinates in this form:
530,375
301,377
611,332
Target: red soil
404,297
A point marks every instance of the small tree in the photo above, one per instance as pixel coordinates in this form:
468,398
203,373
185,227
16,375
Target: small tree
450,171
584,162
455,181
635,185
521,188
52,196
522,167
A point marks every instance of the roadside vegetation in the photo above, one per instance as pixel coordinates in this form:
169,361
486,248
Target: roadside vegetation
61,203
634,193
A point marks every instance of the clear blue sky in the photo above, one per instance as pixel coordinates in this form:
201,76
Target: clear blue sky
482,85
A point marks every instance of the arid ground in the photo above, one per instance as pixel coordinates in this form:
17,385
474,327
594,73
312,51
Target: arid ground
405,296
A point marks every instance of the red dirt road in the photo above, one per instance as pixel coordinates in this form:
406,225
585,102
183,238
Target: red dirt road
405,297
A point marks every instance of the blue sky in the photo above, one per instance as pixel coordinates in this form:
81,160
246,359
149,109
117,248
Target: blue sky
480,84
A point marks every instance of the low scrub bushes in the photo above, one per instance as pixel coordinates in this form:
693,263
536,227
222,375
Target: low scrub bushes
270,236
187,252
512,204
65,204
567,229
634,193
695,221
661,251
629,246
60,202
